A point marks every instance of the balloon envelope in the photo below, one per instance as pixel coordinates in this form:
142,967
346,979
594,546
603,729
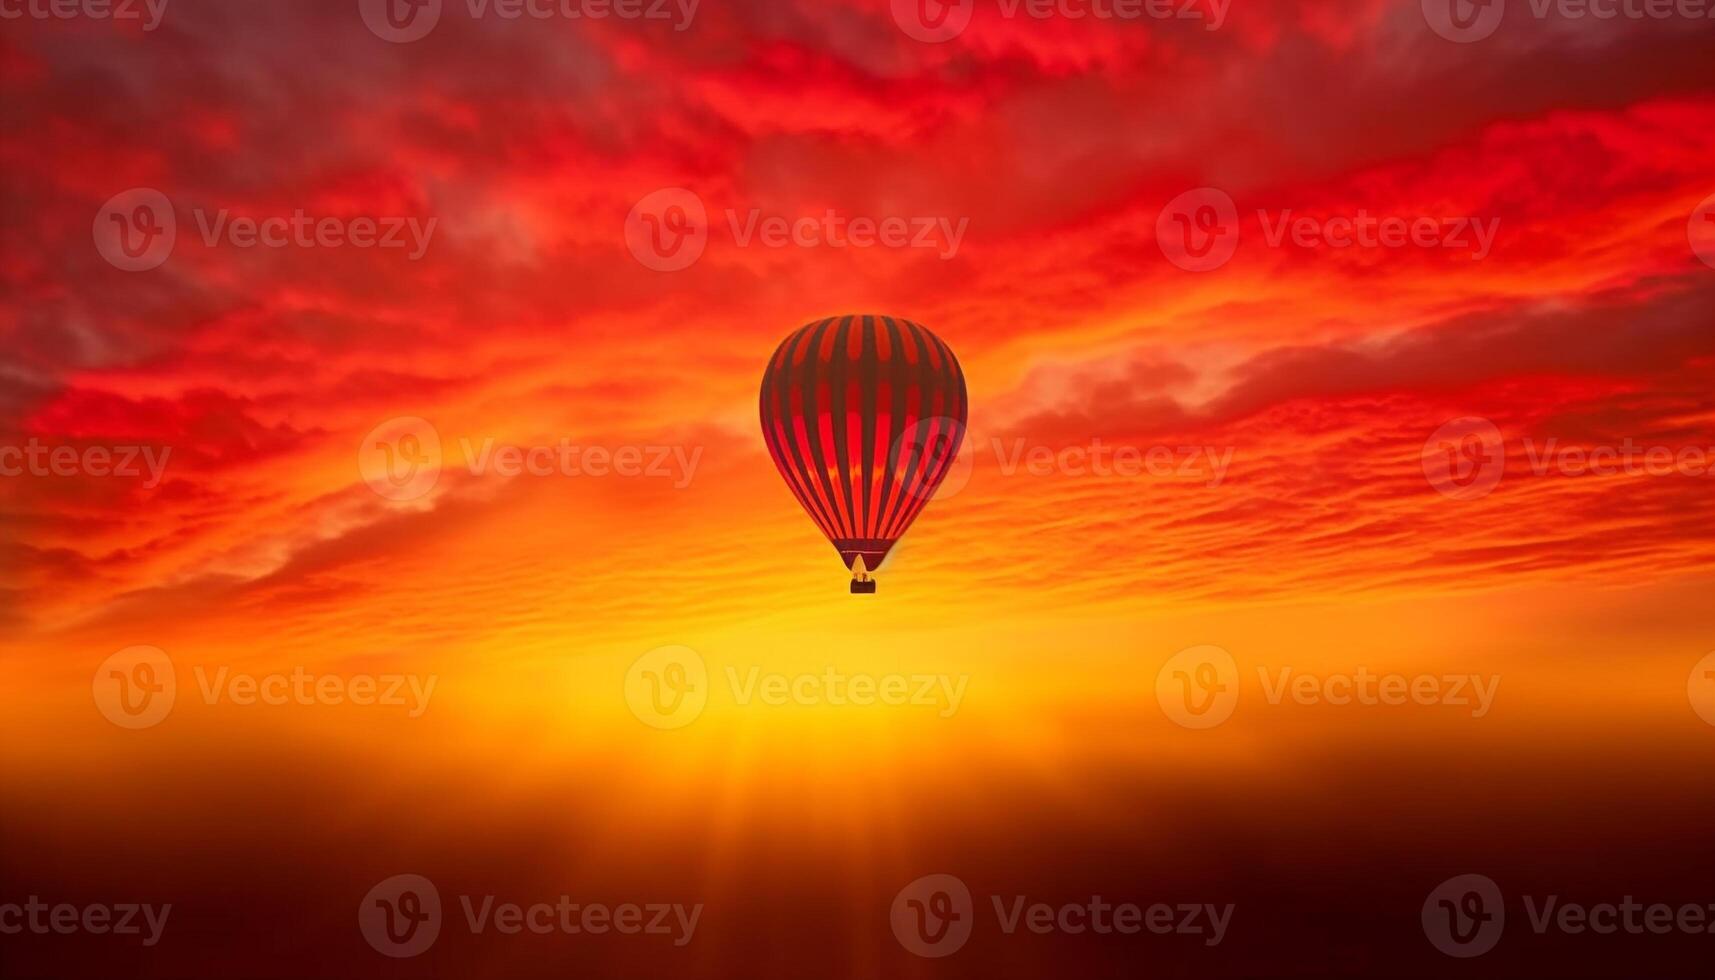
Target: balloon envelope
863,415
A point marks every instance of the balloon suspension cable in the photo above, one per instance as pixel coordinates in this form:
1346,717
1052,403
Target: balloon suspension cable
862,583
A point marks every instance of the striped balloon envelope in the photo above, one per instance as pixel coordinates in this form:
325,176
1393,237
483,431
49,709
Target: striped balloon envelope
864,416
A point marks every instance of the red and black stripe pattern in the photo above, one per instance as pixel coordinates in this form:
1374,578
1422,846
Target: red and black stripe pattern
863,415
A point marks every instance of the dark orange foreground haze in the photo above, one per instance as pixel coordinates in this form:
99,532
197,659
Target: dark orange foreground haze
394,581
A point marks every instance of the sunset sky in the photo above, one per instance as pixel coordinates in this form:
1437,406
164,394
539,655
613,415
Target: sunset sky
1287,412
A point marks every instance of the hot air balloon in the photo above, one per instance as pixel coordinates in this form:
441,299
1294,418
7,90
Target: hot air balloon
864,416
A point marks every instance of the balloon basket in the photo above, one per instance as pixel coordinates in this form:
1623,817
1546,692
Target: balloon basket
863,588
